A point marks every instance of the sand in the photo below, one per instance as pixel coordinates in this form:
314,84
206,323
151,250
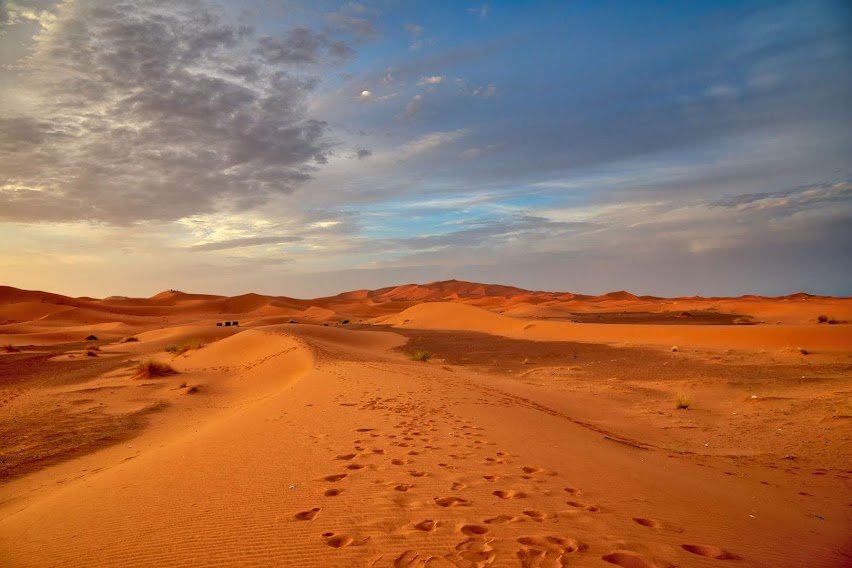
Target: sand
530,438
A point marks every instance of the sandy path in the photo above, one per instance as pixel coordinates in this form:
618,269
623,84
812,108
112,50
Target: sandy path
359,458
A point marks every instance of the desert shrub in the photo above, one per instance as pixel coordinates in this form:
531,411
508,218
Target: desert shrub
188,345
130,340
149,369
344,322
803,351
9,348
822,318
92,338
421,355
91,353
683,401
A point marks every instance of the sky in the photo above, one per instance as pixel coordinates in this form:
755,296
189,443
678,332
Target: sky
305,148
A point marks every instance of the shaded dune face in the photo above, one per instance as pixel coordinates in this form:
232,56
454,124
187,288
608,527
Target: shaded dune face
543,429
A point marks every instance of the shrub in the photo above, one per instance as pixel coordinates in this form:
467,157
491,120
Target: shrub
130,340
92,338
149,369
91,353
683,401
9,348
421,355
822,318
802,350
344,322
188,345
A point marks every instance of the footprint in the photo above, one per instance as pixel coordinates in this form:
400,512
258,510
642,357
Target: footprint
355,466
572,490
335,477
550,543
333,492
345,456
426,526
710,551
501,520
458,486
452,502
628,559
307,515
509,494
365,429
490,477
537,516
650,523
416,473
342,540
590,508
403,487
473,530
397,462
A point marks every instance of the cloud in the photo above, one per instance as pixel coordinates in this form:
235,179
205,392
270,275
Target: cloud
486,92
431,80
414,29
300,46
481,11
353,17
366,95
412,109
363,153
429,142
792,200
243,242
157,111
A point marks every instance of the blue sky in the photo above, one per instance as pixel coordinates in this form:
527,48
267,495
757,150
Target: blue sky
306,148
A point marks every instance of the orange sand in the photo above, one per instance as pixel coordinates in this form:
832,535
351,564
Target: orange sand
527,440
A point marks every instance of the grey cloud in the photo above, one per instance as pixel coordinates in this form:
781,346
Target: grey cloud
243,242
792,200
157,111
300,46
353,17
363,153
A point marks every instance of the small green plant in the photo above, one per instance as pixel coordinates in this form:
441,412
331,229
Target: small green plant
683,401
188,345
421,355
149,369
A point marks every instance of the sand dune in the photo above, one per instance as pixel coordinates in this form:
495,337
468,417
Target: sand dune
531,437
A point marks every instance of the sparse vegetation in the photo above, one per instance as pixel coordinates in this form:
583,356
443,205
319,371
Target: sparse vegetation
802,350
421,355
822,318
130,340
9,348
344,322
683,401
150,369
188,345
91,353
92,338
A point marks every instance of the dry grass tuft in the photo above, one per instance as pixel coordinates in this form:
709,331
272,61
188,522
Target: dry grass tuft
9,348
683,401
188,345
149,369
421,355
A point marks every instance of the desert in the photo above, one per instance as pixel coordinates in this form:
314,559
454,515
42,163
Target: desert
425,284
445,424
